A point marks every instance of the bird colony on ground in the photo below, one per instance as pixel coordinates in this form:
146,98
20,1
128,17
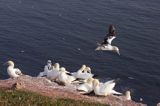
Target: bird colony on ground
83,78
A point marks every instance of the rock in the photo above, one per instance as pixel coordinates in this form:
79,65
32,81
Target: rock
18,86
45,87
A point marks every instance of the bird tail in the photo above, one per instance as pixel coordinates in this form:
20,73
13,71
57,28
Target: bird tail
115,92
77,81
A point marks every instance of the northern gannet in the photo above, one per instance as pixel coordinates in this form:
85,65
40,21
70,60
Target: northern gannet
64,78
104,89
56,66
13,72
86,87
47,68
76,74
128,95
53,74
108,47
83,73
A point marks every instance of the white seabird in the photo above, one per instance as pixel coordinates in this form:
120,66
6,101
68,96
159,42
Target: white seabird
86,87
76,74
53,74
105,88
83,73
128,95
87,73
64,78
56,66
47,68
108,47
13,72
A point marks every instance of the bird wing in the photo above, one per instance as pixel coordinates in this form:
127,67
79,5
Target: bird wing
107,87
103,47
41,74
115,92
108,82
70,78
85,87
18,71
74,74
85,75
110,38
52,74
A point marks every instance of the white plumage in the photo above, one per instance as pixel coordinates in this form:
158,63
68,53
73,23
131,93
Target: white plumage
53,74
83,73
104,89
47,68
64,78
108,47
86,87
128,95
13,72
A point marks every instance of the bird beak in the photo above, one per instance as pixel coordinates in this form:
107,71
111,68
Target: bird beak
67,72
118,52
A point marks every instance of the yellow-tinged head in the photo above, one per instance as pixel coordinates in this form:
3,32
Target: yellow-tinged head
88,70
10,63
56,65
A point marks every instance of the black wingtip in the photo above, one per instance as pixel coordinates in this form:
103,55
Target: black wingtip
69,74
94,76
90,93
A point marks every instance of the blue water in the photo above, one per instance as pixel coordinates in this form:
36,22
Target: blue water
66,31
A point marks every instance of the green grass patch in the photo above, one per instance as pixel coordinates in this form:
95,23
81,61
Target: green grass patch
23,98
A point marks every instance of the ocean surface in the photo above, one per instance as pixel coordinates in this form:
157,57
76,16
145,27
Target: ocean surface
66,31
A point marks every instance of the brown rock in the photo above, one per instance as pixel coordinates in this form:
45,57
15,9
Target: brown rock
18,86
51,89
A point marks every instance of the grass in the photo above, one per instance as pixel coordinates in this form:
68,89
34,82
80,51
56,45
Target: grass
23,98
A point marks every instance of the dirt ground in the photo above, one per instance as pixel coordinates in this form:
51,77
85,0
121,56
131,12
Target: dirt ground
44,87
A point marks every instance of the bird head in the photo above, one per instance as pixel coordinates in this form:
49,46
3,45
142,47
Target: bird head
88,69
63,70
56,65
9,63
128,95
49,62
83,67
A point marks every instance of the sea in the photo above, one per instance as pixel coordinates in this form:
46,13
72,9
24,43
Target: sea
67,32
